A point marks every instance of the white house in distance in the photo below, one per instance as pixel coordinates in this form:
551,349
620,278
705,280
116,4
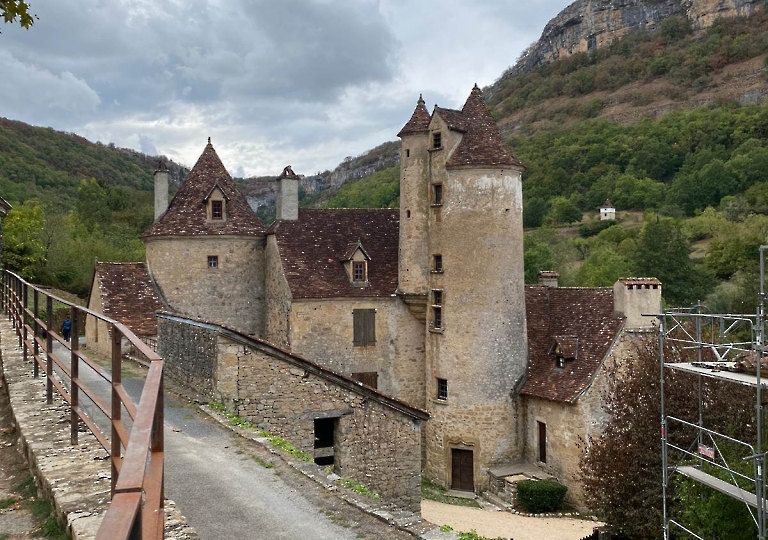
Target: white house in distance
607,211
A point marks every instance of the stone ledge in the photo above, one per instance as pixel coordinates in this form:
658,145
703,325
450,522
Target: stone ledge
74,478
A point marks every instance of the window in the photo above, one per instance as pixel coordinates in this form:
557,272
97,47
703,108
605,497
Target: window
542,442
407,152
364,327
442,389
437,309
368,378
213,261
437,263
217,209
436,140
437,194
358,271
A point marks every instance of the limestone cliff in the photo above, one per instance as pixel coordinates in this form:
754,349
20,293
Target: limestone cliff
589,24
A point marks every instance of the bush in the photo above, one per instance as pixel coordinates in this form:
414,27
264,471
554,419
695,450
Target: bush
594,227
541,496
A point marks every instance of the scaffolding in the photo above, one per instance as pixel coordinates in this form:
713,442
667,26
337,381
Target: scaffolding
717,340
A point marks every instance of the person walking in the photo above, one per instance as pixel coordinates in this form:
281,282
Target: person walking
66,329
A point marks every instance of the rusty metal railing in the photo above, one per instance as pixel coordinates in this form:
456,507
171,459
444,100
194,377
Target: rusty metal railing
136,454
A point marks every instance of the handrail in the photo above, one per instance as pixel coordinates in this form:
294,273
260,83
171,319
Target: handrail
137,458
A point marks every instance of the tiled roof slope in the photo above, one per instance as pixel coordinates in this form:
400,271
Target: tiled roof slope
586,314
311,249
481,144
187,213
419,121
128,296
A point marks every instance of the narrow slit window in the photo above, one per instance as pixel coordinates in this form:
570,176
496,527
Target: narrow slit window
442,389
437,263
437,309
437,194
437,140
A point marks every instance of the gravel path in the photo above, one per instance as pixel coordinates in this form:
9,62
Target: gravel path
505,525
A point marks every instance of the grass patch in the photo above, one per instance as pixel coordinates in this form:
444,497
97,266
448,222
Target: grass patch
433,492
8,502
263,463
27,487
359,488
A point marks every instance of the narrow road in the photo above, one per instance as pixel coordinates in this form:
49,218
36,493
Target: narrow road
232,488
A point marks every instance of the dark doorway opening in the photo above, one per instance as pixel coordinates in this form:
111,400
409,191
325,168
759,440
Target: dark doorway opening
325,429
542,442
462,470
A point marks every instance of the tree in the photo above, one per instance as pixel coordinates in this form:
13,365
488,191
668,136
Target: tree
24,251
10,10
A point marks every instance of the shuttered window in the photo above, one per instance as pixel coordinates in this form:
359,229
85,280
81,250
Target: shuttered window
364,325
368,378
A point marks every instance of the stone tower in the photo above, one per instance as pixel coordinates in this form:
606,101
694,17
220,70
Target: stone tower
206,252
461,259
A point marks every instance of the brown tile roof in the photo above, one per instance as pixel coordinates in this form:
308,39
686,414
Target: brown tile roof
583,320
311,249
481,144
453,118
187,213
419,120
128,296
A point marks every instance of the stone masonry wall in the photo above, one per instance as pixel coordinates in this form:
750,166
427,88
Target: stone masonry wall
278,297
322,331
374,444
231,294
97,332
190,354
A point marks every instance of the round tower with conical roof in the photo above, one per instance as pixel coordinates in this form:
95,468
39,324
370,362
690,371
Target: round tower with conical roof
461,248
206,252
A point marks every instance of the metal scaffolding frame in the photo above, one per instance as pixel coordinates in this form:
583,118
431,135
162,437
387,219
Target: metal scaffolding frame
716,336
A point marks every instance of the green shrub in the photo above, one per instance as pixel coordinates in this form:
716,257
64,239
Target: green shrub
541,496
594,227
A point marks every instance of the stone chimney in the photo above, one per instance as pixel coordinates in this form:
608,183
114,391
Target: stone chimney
634,296
161,190
287,195
548,278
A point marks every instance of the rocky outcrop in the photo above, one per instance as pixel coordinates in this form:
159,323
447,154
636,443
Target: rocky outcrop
586,25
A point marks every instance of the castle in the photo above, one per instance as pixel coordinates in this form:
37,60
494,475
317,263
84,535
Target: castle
426,304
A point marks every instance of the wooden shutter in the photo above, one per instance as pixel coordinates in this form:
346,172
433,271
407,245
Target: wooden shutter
364,327
368,378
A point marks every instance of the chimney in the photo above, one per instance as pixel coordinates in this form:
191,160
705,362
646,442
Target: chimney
287,195
161,190
634,296
548,278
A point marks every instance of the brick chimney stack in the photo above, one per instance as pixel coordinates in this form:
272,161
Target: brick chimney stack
161,190
287,195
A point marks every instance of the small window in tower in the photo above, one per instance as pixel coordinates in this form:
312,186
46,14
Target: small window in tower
437,194
436,140
217,209
437,264
442,389
437,317
213,261
358,271
407,152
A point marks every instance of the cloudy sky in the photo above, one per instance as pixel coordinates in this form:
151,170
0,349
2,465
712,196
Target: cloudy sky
300,82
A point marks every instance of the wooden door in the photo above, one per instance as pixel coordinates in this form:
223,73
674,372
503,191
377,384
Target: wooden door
462,470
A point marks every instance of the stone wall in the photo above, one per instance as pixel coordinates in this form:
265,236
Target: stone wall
277,326
322,331
98,335
570,426
377,439
189,352
231,294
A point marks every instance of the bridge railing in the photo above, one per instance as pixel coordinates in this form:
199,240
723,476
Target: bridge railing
136,453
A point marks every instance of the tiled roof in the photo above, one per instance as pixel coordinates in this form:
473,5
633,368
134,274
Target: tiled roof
128,296
187,213
419,120
481,144
453,118
583,320
311,249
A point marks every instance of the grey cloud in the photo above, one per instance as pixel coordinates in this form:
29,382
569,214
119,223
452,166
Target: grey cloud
147,145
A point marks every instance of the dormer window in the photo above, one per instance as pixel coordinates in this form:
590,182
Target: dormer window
355,261
217,209
216,204
437,140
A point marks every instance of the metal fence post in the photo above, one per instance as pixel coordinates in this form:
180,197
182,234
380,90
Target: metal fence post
49,349
74,389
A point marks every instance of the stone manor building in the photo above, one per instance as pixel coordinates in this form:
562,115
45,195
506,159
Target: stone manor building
426,304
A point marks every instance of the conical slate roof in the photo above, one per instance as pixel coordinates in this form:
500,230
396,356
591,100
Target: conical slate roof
187,213
419,121
481,144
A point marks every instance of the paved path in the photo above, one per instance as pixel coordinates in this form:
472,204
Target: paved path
231,488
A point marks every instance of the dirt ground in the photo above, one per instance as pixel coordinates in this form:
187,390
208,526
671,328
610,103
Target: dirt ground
505,525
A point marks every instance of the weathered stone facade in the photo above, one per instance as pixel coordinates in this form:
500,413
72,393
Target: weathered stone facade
97,332
278,293
231,294
376,439
322,331
190,354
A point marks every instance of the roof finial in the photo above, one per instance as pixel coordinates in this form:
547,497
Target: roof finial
421,100
209,140
477,87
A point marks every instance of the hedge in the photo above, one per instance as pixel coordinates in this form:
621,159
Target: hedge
541,496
